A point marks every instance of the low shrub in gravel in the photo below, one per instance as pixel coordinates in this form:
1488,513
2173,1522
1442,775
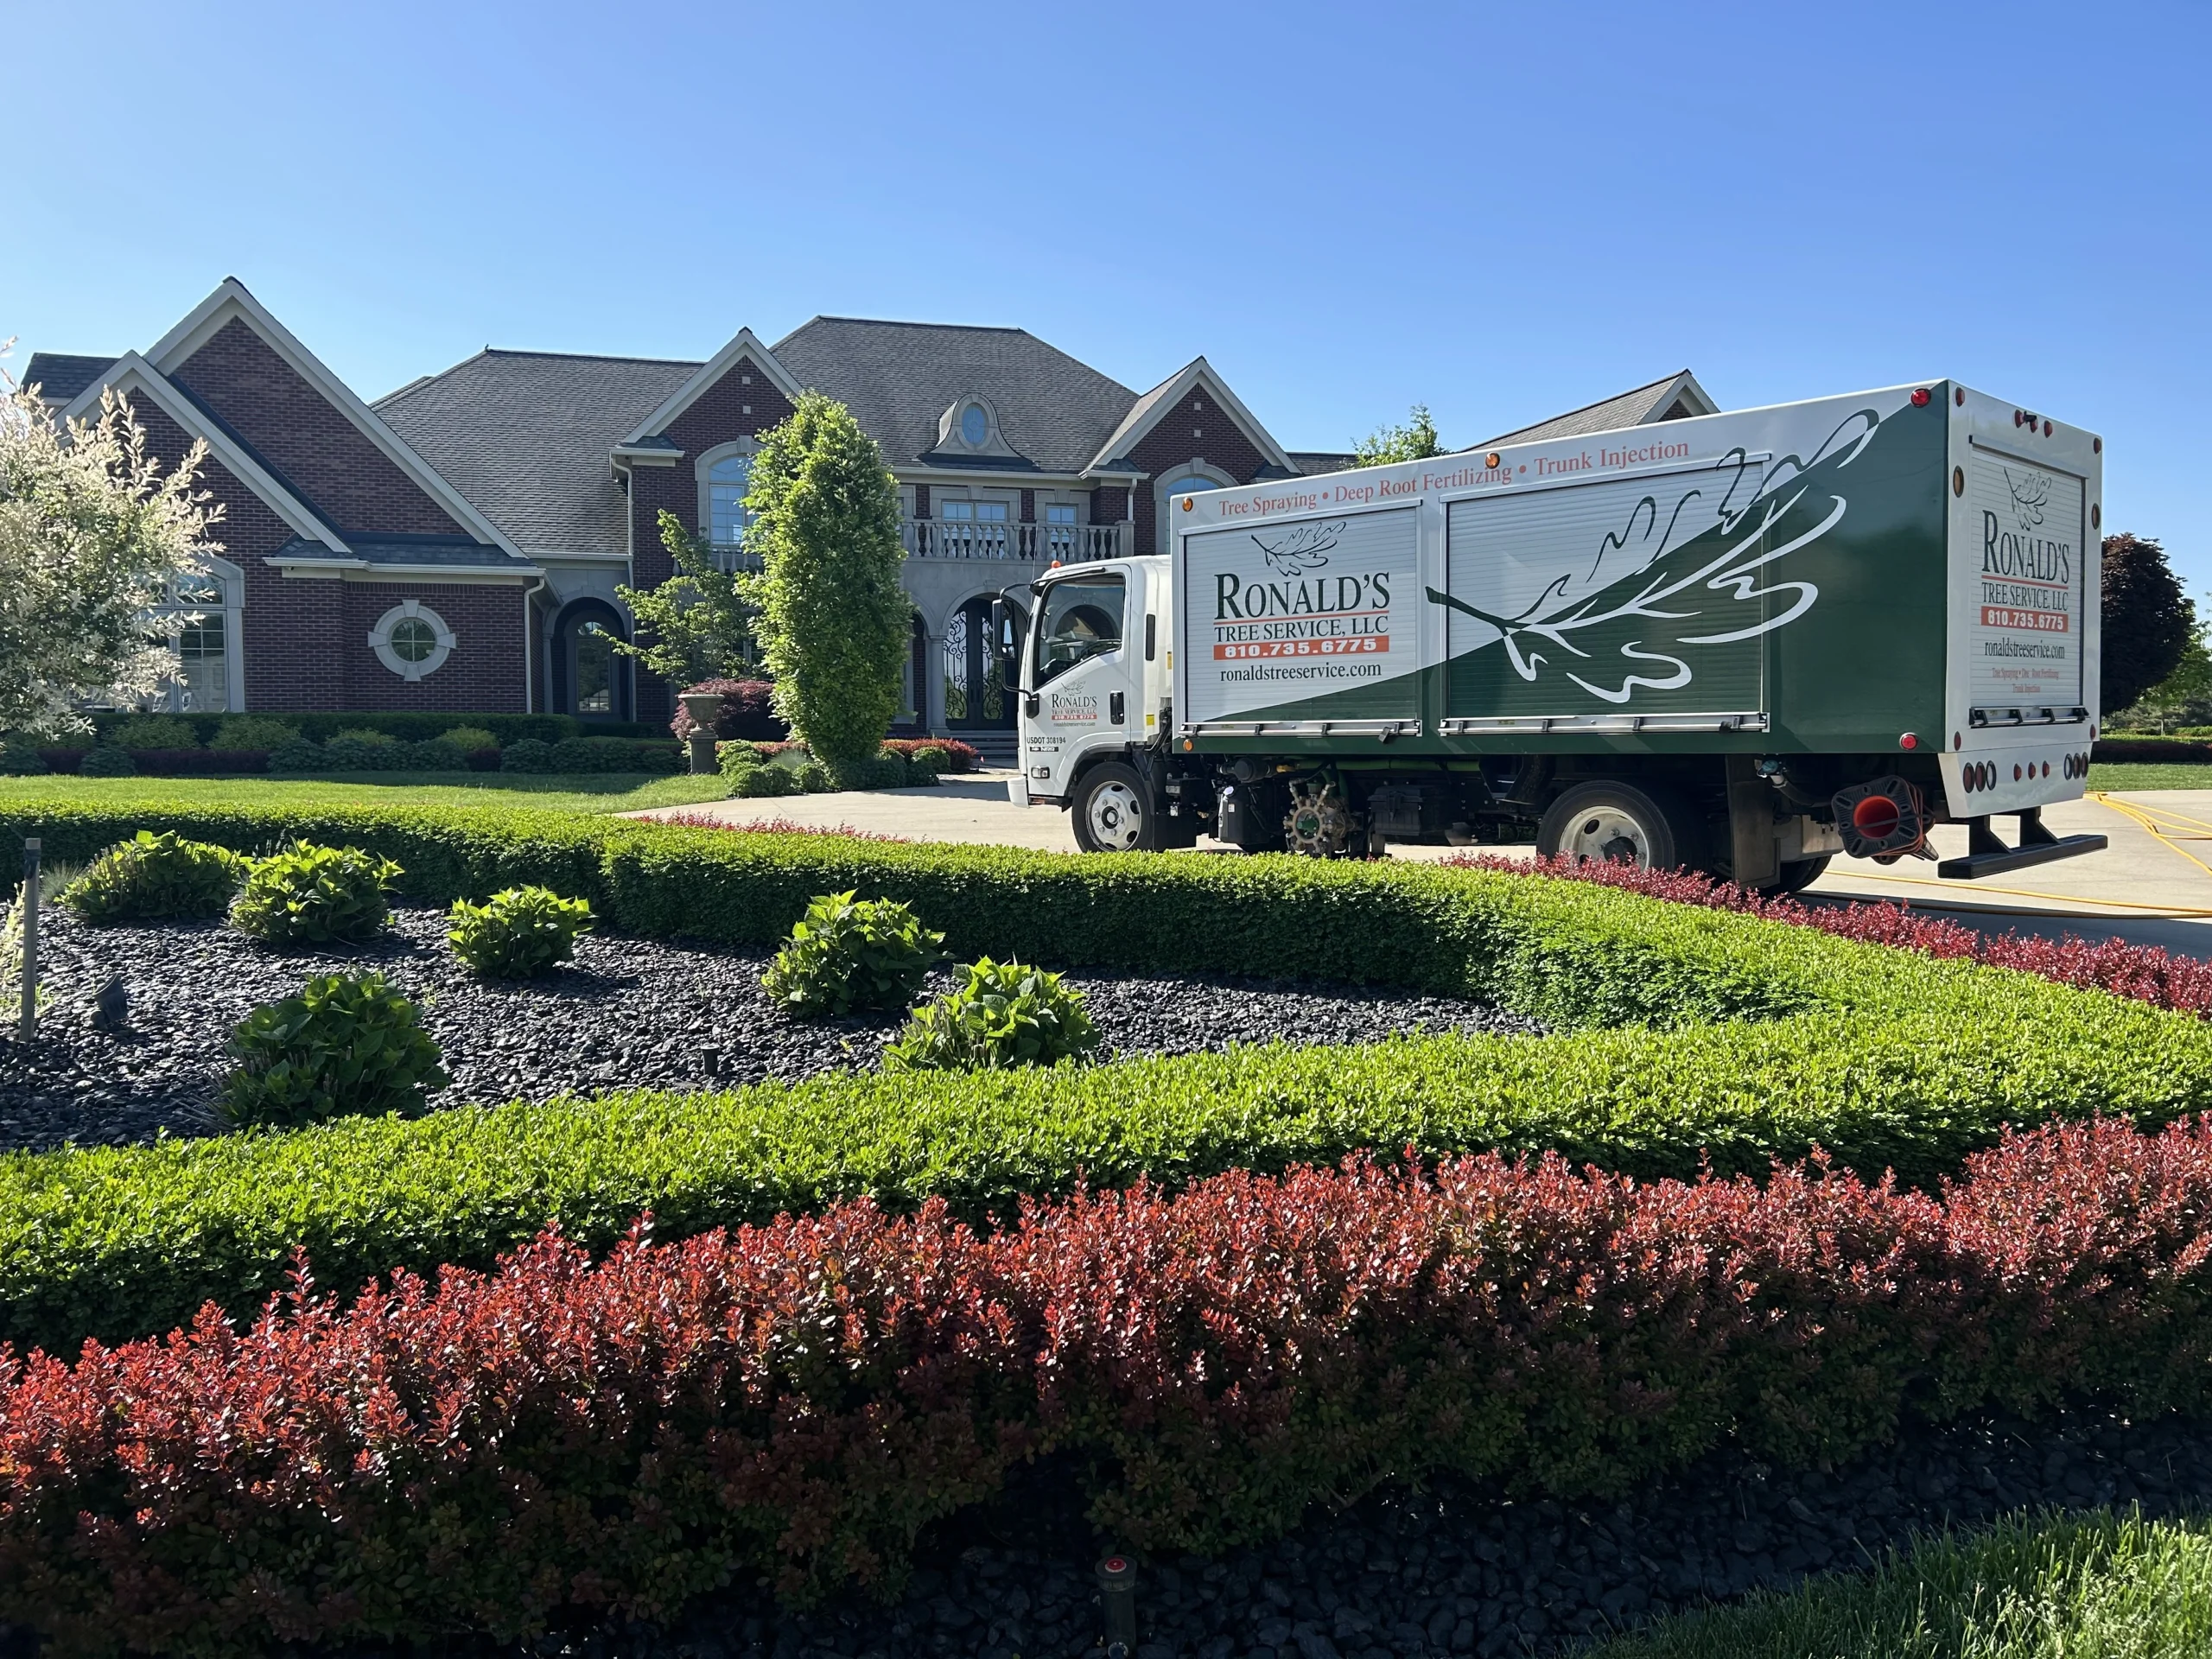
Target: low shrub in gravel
345,1045
1004,1015
517,934
847,952
153,876
315,895
802,1398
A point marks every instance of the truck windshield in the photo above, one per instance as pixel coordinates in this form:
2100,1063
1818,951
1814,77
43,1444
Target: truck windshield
1081,619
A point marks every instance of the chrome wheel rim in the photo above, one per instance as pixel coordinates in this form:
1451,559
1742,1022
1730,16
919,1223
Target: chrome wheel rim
1116,817
1608,834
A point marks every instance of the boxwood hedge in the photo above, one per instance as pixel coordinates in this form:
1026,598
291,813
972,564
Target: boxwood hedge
1680,1034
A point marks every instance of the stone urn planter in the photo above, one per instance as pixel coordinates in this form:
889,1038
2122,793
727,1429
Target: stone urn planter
705,709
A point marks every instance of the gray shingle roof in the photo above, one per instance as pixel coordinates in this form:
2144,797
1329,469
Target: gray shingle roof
1310,461
1609,414
414,550
899,378
60,376
526,437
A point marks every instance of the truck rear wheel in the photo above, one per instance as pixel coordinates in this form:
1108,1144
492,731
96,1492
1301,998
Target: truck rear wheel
1113,812
1652,828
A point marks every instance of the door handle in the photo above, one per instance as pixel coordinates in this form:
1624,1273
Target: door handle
1117,707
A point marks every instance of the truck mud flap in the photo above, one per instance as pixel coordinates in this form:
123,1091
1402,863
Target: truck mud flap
1987,855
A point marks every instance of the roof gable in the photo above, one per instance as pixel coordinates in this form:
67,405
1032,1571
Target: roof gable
1148,411
248,371
1638,407
744,344
132,375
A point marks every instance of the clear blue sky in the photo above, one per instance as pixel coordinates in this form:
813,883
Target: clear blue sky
1503,211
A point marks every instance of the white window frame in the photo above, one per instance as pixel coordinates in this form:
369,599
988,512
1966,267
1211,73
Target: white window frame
728,555
412,610
226,612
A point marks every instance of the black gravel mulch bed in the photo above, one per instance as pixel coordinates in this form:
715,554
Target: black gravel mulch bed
1459,1569
626,1013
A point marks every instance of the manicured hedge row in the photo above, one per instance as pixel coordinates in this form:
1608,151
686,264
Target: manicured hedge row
118,1242
2155,750
801,1400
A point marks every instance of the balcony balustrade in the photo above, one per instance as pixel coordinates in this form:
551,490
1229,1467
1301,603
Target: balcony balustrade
971,539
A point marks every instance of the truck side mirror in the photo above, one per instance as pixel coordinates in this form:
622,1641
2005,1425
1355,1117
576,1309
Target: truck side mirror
1008,624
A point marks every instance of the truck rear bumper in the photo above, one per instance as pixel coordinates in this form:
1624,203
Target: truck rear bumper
1987,855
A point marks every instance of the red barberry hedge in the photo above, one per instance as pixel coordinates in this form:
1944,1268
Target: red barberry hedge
2146,973
798,1399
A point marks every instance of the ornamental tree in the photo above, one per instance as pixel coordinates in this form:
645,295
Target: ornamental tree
95,538
1415,440
2148,620
834,622
698,623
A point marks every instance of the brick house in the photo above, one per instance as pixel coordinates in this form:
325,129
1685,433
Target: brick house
458,544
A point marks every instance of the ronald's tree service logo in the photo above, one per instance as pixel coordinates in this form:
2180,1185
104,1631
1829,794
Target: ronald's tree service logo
2018,549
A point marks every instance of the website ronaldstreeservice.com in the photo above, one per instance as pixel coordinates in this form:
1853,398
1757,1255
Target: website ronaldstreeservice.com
1303,671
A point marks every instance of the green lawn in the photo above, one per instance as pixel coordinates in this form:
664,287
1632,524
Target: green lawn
2098,1587
2134,774
559,793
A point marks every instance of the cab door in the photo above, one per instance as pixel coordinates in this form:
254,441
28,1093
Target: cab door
1077,697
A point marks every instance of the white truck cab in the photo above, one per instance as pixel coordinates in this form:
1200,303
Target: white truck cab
1096,657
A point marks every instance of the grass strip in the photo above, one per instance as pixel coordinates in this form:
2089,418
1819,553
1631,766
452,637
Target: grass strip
2097,1586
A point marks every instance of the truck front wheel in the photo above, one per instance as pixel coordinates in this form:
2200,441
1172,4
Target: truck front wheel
1115,812
1652,828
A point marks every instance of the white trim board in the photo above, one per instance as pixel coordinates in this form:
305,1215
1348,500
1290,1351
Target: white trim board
130,372
230,300
744,343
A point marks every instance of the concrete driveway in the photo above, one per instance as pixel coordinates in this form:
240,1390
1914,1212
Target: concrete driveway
2147,887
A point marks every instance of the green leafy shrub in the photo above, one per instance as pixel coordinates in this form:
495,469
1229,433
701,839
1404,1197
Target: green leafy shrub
760,783
358,754
247,732
814,779
470,738
344,1047
19,756
151,732
527,755
373,736
315,895
1006,1015
432,755
931,758
518,933
847,952
151,876
297,754
107,761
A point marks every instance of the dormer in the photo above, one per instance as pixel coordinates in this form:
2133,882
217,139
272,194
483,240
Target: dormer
969,426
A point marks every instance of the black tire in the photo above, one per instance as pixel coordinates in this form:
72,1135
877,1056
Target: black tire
1799,873
1115,812
1651,828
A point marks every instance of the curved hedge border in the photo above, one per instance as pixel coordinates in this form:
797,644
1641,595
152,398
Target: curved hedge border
800,1401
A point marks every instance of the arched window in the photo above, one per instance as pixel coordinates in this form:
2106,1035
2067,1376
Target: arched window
595,669
725,476
206,641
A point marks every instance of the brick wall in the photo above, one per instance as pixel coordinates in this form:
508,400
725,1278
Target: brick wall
322,454
727,409
306,639
1109,503
1196,426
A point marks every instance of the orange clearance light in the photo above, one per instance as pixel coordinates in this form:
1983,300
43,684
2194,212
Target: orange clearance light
1492,459
1919,396
1054,565
1186,503
1909,740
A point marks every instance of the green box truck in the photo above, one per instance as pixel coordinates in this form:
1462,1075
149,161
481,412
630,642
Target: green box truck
1745,642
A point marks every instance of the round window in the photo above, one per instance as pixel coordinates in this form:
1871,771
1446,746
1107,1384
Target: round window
975,426
413,640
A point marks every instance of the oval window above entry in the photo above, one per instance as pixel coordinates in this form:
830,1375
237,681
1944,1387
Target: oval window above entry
975,426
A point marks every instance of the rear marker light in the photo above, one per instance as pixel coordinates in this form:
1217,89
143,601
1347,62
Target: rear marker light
2046,768
1920,398
2097,446
2096,516
2018,415
1186,503
1491,460
1909,742
1959,397
1958,741
2016,773
1958,480
2046,429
